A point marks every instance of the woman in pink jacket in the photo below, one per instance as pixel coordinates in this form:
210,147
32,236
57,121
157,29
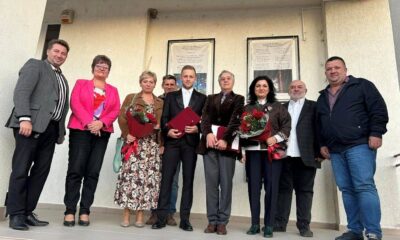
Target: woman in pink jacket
95,106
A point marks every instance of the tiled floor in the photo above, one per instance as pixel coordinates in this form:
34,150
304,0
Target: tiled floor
105,226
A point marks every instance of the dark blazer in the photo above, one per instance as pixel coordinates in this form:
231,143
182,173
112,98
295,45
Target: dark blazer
306,134
173,104
36,96
226,114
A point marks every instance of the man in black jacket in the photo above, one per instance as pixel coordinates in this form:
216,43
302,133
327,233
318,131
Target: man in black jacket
179,148
300,165
352,118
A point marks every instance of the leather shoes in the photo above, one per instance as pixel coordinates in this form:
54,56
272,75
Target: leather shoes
32,220
221,229
306,232
254,229
17,222
268,232
170,220
211,228
83,223
185,225
158,225
153,219
69,223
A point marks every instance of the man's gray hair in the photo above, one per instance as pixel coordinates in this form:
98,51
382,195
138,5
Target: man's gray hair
228,72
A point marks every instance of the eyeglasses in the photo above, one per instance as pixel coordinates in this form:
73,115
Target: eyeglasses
102,67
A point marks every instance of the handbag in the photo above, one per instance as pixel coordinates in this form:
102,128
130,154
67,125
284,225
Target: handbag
117,161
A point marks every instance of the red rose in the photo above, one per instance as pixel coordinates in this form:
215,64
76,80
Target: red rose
151,118
257,114
244,126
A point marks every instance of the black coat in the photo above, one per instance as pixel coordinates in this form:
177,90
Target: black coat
173,104
359,112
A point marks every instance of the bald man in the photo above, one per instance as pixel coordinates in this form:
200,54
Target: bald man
300,165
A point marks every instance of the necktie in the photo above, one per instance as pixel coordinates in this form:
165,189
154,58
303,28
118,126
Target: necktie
223,98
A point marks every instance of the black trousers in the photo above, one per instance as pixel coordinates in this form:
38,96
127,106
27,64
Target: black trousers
259,168
86,154
295,175
173,153
27,180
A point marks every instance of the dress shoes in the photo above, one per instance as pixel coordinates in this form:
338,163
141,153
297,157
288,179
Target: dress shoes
221,229
306,232
17,222
211,228
83,223
185,225
268,232
69,223
32,220
170,220
158,225
254,229
153,219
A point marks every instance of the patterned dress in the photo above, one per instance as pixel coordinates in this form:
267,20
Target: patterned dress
139,178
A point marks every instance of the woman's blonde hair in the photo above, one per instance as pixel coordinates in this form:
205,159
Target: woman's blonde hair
147,74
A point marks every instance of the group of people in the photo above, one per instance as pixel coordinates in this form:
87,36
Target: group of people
345,125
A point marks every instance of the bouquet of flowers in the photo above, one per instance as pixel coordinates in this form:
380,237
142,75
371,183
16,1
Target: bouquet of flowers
143,117
253,125
140,122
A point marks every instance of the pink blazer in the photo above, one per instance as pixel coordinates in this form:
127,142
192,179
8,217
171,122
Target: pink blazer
82,106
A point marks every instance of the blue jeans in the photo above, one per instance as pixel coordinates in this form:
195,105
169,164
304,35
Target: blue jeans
354,171
174,190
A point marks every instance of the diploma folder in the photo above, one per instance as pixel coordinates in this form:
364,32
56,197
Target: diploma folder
219,132
187,117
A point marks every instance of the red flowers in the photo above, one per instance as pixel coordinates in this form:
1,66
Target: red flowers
252,123
151,118
257,114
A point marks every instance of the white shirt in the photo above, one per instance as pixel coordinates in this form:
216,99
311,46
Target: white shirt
186,94
294,110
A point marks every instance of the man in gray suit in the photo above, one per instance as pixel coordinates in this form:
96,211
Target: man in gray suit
299,168
38,122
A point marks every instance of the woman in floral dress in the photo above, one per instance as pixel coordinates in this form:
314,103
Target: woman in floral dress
140,175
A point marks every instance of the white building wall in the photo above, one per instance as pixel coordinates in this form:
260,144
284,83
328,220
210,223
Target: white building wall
121,31
20,29
361,33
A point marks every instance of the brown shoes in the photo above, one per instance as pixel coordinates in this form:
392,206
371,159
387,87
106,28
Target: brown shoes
153,219
170,220
210,228
221,229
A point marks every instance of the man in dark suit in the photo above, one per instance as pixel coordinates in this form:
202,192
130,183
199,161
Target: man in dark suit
221,109
169,85
299,167
38,122
179,148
